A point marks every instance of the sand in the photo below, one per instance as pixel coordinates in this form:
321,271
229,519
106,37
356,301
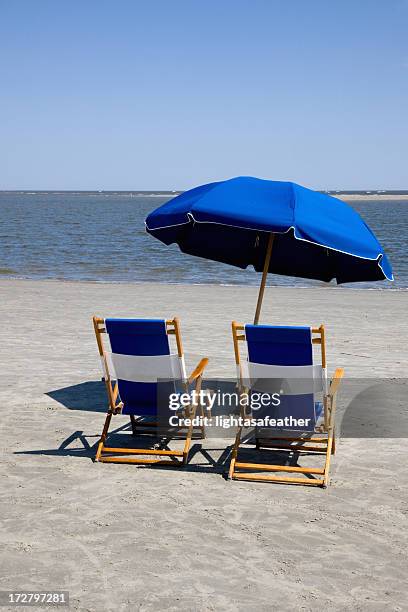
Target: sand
119,537
374,197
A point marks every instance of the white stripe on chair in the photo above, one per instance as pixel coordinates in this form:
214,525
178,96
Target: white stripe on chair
151,369
108,371
287,380
183,369
320,379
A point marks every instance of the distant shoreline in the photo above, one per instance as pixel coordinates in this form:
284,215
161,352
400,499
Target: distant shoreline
341,195
349,197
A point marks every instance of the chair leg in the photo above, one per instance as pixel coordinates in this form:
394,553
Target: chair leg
234,453
103,436
325,413
334,442
133,424
187,444
329,452
202,427
257,440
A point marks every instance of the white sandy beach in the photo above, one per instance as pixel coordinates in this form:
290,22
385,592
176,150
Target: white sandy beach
119,537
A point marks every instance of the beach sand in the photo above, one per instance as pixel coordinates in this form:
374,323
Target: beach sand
374,197
119,537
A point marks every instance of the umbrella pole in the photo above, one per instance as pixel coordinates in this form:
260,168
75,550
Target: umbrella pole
264,275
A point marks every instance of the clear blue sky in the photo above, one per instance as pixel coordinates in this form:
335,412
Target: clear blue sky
166,94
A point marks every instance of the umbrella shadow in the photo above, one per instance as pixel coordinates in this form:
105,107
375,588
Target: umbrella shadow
375,409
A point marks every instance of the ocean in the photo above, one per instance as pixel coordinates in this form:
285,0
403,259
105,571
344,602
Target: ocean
101,237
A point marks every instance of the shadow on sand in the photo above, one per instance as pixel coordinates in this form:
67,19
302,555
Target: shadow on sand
89,396
206,460
81,445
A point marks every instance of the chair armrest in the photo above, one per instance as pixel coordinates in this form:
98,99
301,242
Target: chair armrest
198,370
335,383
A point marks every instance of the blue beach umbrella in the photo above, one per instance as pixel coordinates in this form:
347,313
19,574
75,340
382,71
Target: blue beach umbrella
277,227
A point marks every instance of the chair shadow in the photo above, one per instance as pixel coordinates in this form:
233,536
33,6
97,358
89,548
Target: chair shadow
64,450
116,438
89,396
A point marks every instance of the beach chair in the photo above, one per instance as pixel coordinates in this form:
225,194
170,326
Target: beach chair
139,367
281,359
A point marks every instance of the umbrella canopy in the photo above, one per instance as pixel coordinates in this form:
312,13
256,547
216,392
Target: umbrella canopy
236,221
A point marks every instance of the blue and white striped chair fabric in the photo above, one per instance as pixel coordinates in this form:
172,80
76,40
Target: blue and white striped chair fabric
142,363
280,360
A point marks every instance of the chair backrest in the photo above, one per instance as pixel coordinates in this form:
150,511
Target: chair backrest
279,346
141,360
280,360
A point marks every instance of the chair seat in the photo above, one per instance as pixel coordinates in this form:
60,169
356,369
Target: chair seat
138,410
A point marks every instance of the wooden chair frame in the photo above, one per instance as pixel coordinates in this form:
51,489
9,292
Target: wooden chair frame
323,444
175,458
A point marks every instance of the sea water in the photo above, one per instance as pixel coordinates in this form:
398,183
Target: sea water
102,237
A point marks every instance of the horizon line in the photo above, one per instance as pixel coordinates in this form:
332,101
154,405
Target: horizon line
366,191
